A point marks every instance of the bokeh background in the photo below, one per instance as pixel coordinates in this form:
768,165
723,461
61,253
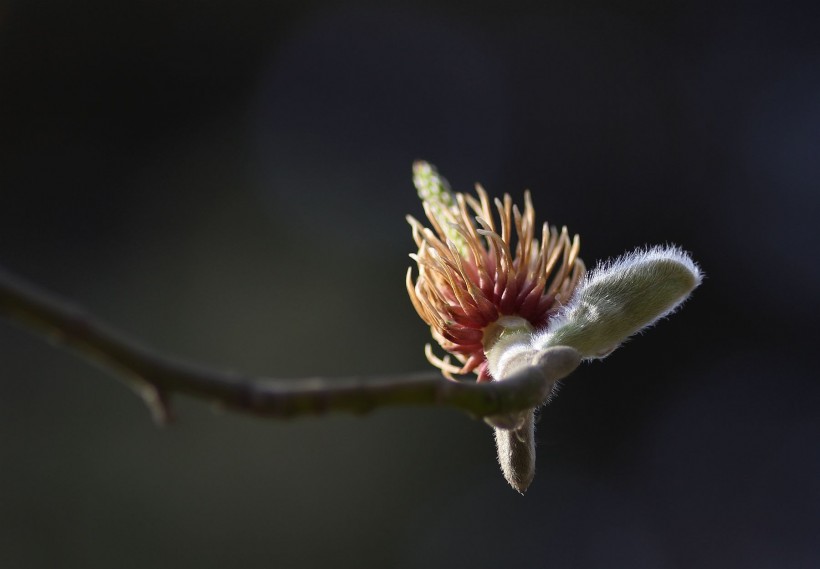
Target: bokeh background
228,181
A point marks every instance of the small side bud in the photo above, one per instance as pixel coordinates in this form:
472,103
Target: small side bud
515,433
516,453
620,298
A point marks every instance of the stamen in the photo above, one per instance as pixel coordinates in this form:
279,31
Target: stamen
411,291
443,364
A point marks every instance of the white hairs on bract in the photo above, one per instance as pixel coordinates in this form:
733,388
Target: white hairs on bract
620,298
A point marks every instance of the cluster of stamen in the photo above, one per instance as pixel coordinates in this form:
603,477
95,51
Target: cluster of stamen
469,275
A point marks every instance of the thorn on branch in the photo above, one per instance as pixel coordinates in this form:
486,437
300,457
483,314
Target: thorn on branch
157,400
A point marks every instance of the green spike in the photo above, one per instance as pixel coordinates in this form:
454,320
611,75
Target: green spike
434,190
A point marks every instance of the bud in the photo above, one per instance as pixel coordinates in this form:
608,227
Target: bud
516,453
620,298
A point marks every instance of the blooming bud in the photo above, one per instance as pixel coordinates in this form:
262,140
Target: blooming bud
485,269
503,302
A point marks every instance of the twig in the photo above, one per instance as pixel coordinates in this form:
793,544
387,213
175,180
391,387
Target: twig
155,376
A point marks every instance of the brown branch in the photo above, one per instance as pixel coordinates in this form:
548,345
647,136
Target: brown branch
155,376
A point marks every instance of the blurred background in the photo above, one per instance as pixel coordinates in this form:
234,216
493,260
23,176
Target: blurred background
228,182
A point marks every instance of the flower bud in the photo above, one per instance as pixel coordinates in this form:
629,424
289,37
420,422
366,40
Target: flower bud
620,298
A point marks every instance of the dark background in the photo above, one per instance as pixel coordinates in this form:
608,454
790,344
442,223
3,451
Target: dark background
228,181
